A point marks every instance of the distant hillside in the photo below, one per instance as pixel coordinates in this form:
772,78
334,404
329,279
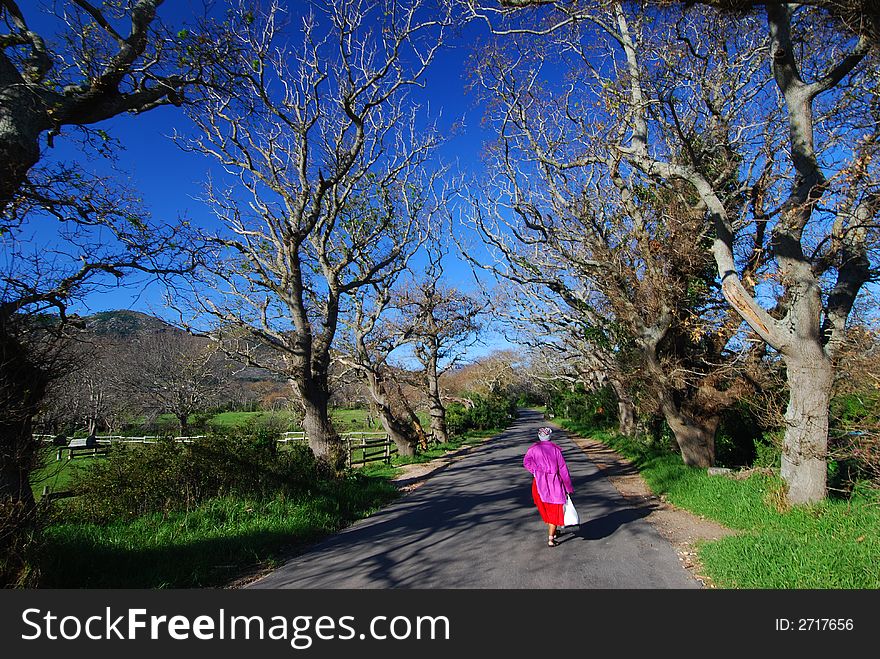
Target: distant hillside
126,324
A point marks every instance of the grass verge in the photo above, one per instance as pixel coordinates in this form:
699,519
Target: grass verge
831,545
206,546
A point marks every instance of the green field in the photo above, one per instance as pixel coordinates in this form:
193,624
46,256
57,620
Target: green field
57,474
343,420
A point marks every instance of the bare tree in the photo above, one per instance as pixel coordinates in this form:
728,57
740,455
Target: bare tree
629,265
494,375
102,235
327,160
178,373
860,17
371,345
443,322
818,276
99,63
89,396
806,177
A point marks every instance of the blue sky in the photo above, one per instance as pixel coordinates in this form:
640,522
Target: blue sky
170,180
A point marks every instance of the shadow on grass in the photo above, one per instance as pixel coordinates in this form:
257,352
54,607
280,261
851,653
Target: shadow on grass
76,562
90,556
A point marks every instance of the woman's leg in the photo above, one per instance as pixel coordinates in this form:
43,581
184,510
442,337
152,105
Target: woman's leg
551,534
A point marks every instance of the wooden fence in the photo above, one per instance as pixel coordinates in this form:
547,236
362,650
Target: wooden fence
361,447
81,447
368,447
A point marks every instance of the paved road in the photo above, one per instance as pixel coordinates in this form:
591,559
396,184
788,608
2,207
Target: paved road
473,525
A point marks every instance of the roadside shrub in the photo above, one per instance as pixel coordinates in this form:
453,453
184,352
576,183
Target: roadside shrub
768,450
491,412
595,409
456,418
487,413
854,441
167,476
20,532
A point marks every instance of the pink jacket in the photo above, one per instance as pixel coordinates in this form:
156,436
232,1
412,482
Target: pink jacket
544,460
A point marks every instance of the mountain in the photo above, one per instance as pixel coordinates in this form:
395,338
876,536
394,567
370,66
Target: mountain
126,324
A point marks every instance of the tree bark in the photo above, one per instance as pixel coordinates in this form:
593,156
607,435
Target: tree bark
421,435
435,406
397,432
626,409
805,444
695,437
21,122
626,418
183,420
323,439
396,428
23,383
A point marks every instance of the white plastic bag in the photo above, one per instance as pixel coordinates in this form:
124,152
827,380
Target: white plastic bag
570,513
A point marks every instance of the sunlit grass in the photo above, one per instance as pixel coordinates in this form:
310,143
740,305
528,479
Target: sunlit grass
833,544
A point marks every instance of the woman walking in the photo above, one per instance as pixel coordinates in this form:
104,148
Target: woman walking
551,481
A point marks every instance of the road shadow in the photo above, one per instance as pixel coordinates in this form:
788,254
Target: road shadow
605,525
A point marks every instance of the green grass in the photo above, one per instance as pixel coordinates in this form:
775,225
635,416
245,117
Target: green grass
55,475
831,545
205,547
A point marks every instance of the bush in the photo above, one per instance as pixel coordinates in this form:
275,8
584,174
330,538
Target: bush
768,450
595,409
854,434
487,413
738,436
20,532
456,418
167,476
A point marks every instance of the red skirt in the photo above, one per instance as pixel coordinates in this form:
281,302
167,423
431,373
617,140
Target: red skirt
551,513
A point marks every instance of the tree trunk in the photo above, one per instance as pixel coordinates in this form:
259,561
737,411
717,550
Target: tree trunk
22,389
695,437
23,382
183,420
20,128
396,429
805,444
626,418
421,435
322,437
397,433
626,409
436,410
